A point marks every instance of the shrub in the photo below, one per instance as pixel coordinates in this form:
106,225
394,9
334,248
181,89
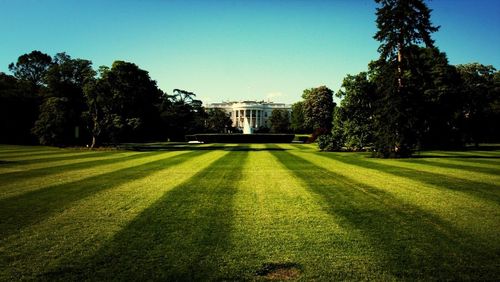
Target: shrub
328,142
241,138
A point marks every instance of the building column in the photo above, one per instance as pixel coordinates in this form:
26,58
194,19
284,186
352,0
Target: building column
261,118
257,119
251,119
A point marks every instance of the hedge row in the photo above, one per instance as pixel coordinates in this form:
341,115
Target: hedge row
241,138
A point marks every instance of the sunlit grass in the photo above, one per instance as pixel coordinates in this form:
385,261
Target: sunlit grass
226,213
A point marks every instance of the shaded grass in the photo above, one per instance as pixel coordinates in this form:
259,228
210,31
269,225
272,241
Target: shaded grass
460,165
182,236
20,211
27,175
479,189
411,243
84,227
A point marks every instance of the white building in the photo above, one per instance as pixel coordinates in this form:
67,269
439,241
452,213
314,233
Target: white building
255,113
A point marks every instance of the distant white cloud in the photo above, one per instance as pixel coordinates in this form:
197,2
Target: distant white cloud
274,96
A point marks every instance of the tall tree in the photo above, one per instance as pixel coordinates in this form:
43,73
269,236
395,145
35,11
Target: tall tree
318,109
65,78
123,104
402,25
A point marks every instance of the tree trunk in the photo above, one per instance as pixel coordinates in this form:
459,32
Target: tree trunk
400,62
93,142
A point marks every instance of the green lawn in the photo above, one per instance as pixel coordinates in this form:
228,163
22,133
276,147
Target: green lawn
245,212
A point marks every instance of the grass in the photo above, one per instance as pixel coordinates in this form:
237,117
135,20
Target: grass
247,212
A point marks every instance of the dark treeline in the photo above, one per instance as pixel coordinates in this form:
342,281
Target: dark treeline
63,101
411,98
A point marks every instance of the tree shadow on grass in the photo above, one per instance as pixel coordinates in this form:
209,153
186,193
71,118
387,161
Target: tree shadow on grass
29,153
183,236
409,242
49,170
430,162
463,154
454,157
20,211
66,156
301,147
477,189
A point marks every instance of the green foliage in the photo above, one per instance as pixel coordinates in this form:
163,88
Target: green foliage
280,121
32,68
355,117
218,121
182,115
298,124
318,109
328,142
66,78
123,104
52,124
402,25
480,109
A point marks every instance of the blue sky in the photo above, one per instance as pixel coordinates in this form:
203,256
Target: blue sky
235,50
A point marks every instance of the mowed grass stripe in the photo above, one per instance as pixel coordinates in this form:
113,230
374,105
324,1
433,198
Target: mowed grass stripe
467,174
36,161
16,183
482,186
184,235
46,152
28,167
278,220
69,239
458,206
22,210
6,148
410,242
462,164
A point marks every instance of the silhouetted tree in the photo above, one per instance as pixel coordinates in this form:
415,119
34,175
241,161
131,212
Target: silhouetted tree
52,122
123,104
480,110
402,24
182,114
218,121
18,110
65,78
32,68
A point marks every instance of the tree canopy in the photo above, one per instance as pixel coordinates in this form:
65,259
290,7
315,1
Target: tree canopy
318,109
